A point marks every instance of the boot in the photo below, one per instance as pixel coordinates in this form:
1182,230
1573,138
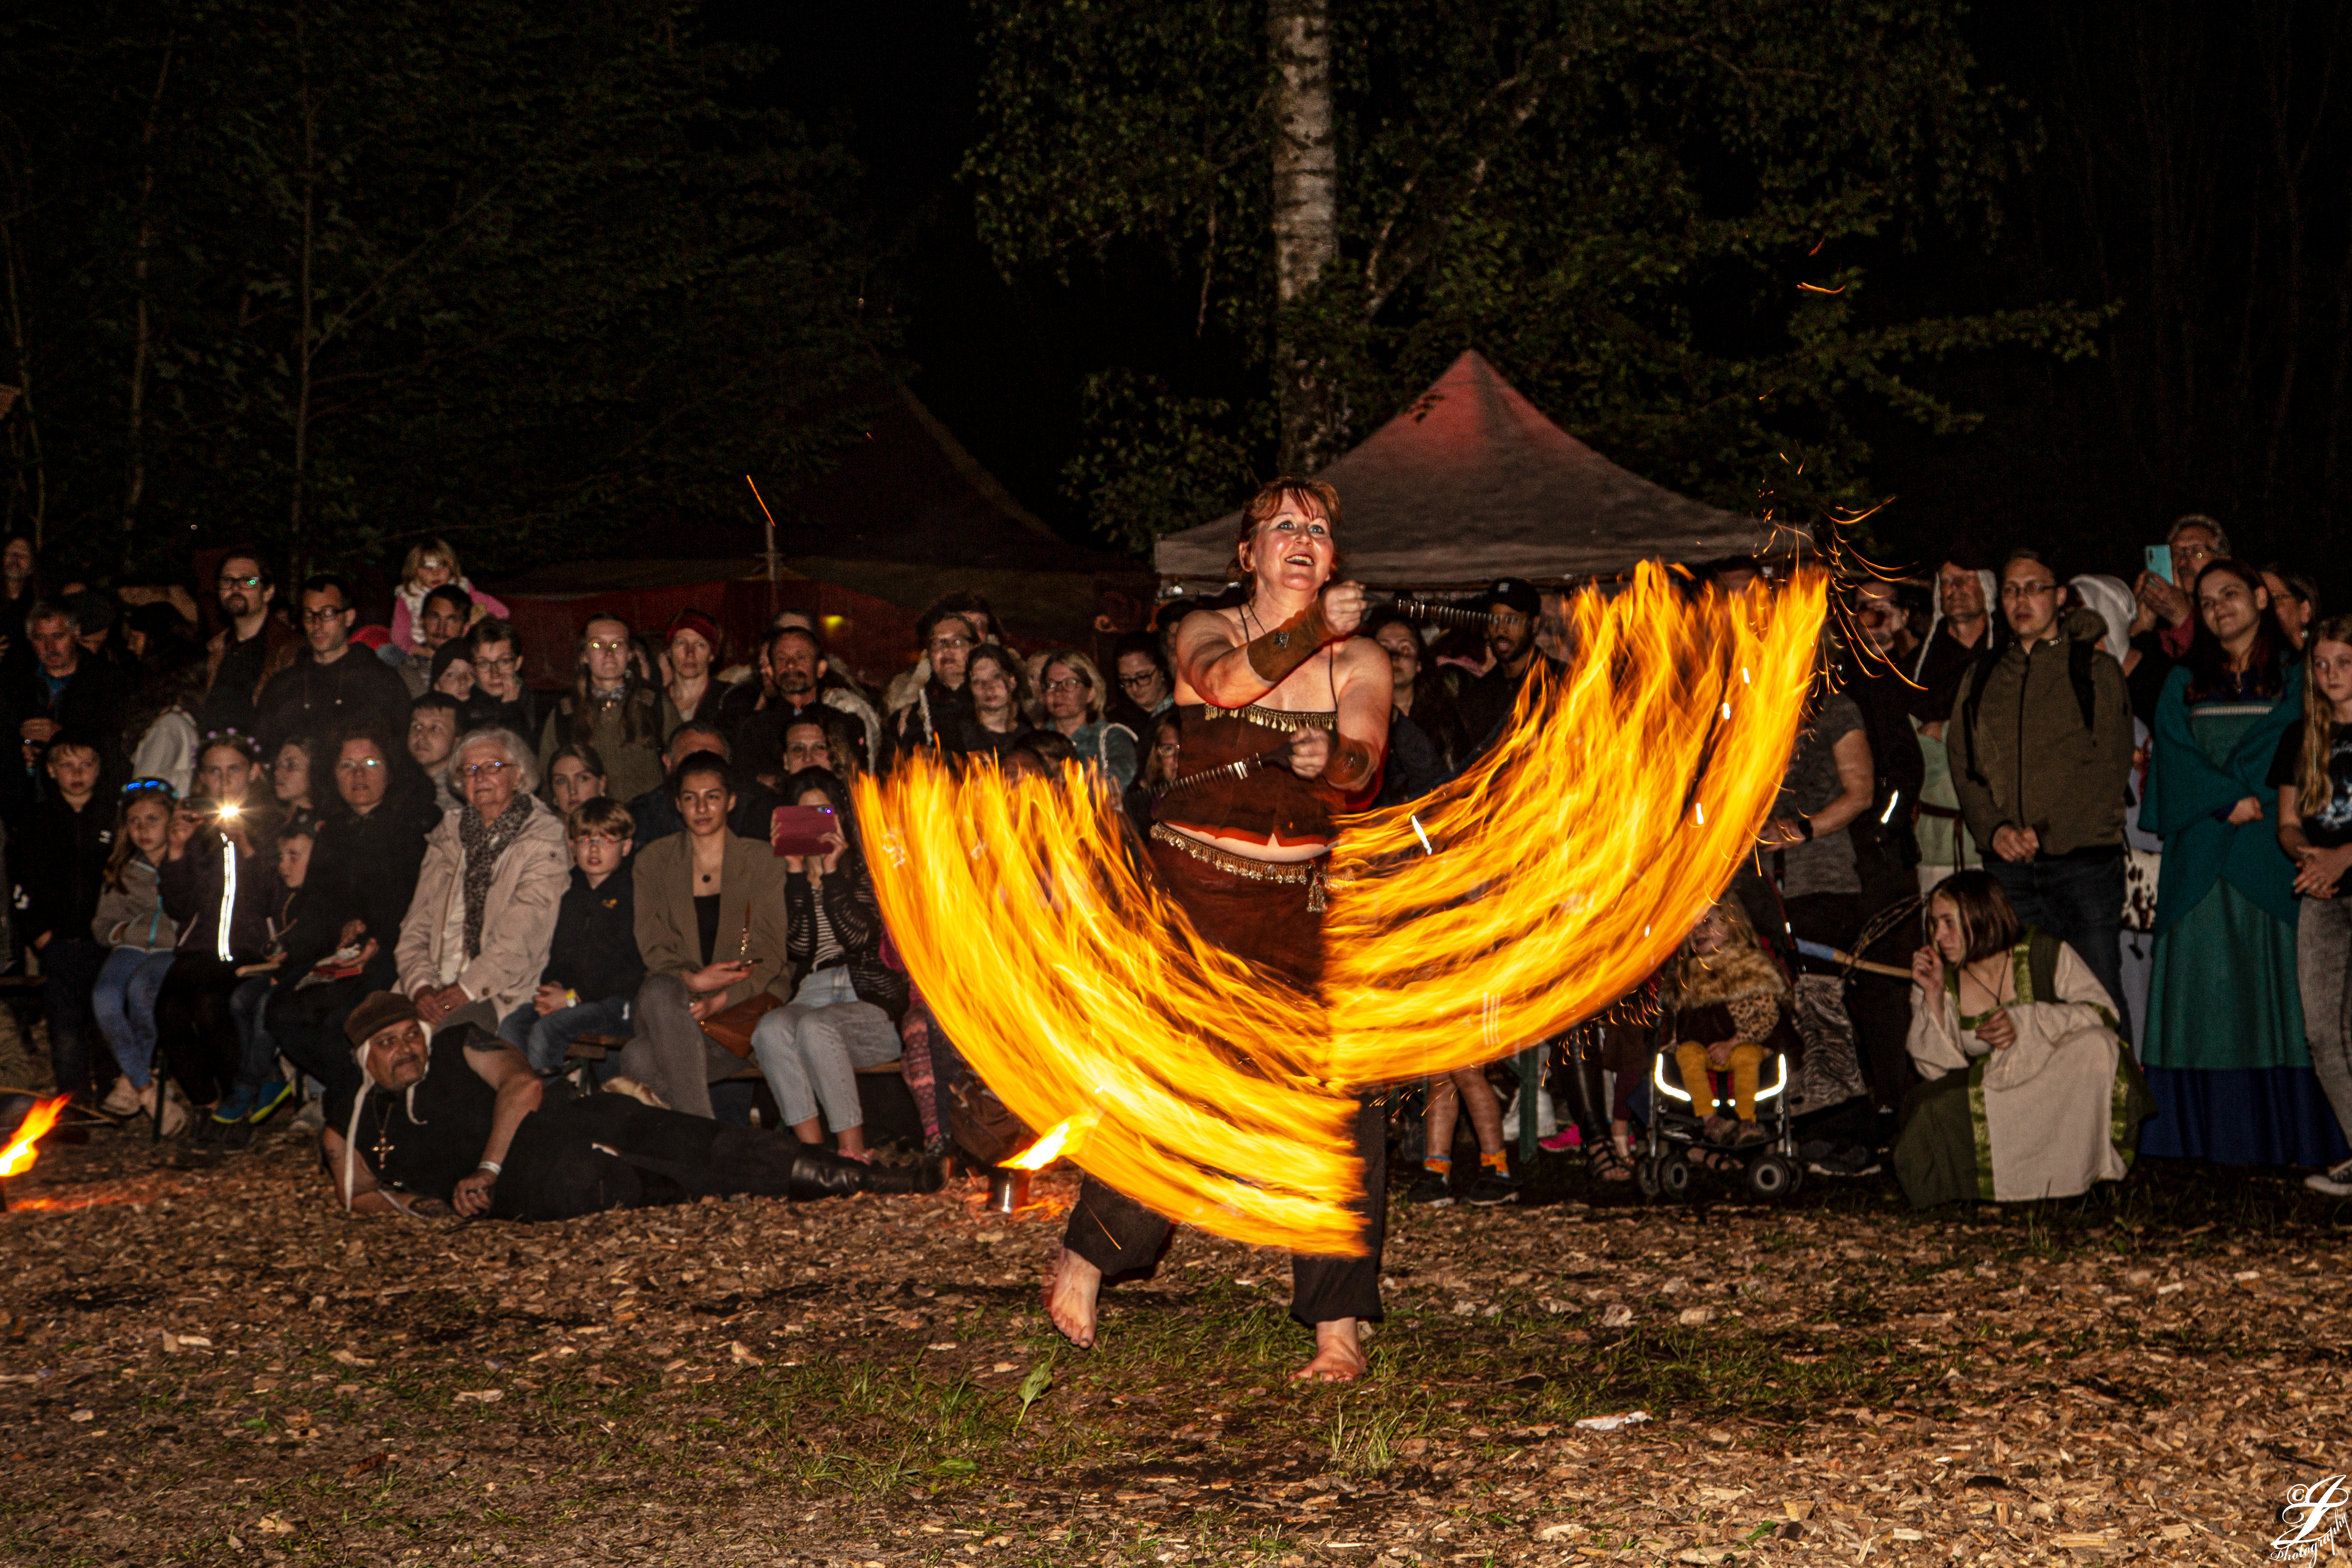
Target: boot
820,1174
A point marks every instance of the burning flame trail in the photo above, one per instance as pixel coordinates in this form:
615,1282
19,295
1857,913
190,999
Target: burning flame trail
19,1156
1515,901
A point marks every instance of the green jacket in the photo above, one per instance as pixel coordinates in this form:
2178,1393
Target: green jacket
2028,760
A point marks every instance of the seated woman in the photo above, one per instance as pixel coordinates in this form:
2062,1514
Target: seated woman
845,1014
2029,1092
1726,1009
711,927
575,775
999,692
1072,696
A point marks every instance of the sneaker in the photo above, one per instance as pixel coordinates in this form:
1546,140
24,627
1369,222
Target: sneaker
1492,1187
312,1118
1432,1189
1561,1142
121,1100
2335,1181
267,1099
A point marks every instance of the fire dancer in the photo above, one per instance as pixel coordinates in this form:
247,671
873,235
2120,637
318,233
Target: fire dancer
1280,687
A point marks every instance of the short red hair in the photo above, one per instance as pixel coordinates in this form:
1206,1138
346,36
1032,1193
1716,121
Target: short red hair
1310,496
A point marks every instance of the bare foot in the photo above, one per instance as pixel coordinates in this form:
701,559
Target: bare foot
1070,1298
1338,1355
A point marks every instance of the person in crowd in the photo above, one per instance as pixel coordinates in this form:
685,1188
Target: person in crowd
2312,772
432,736
500,700
131,925
2294,600
1447,1095
1485,701
1000,694
1808,851
1161,767
66,690
574,778
1424,751
1071,700
655,811
59,858
253,648
229,773
20,590
1726,1009
713,931
429,568
446,613
259,1089
1961,629
2041,745
219,885
690,652
451,674
2168,607
594,968
1145,688
159,725
797,682
299,776
819,741
475,934
937,708
1882,623
2030,1090
845,1014
452,1120
611,709
328,687
2225,1051
980,625
1245,860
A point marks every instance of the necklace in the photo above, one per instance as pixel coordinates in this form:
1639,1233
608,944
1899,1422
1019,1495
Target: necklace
382,1135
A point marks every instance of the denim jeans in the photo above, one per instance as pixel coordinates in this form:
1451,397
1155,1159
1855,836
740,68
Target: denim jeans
124,1005
2323,951
545,1041
247,1005
2080,900
69,969
809,1051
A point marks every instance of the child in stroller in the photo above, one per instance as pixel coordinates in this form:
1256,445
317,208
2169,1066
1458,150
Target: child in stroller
1726,1012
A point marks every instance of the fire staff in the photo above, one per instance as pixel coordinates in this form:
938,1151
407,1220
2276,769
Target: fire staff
1279,683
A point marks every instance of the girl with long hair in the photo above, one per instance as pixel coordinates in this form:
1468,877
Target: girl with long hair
2312,774
130,920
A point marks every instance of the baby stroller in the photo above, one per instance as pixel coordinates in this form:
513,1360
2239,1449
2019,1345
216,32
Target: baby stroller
1662,1163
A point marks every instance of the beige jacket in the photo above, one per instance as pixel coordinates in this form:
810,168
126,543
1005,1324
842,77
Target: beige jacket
518,922
752,891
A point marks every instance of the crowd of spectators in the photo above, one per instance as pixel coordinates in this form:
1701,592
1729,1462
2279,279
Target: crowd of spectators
2072,844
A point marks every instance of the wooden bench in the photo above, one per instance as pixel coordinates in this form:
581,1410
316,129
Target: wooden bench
890,1104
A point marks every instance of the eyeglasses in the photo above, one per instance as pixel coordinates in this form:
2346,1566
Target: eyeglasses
949,645
1067,683
607,644
358,764
496,664
228,582
2026,590
320,618
483,769
1138,682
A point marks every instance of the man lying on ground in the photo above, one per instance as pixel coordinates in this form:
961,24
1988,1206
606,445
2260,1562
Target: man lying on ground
456,1119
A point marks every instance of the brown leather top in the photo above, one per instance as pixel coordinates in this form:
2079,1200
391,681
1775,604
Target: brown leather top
1270,802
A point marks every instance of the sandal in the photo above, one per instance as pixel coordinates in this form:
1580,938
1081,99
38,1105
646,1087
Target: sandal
1717,1160
1603,1161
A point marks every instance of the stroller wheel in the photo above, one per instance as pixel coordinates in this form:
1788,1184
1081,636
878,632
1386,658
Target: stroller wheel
1772,1177
1674,1175
1645,1176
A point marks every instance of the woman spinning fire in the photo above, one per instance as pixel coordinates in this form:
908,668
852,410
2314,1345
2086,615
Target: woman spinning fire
1281,685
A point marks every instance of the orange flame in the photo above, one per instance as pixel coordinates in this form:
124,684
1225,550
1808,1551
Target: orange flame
19,1156
1050,1148
1515,901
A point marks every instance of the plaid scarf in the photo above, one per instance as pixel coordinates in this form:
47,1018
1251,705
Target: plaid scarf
483,844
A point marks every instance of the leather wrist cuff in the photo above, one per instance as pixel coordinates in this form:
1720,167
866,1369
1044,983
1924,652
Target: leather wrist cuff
1279,652
1351,767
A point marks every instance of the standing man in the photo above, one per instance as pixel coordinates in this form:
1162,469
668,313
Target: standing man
2041,742
1512,609
1962,629
1280,680
68,688
444,613
331,686
250,651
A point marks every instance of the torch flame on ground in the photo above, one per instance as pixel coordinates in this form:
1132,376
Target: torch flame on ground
1052,1146
1499,910
17,1157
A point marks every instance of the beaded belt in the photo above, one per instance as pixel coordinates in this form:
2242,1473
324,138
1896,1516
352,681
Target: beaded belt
1294,872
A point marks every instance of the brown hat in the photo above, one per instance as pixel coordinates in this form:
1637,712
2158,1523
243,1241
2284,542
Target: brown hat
379,1012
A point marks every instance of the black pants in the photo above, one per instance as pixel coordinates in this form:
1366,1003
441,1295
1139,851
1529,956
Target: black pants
581,1154
1124,1239
195,1029
306,1025
69,968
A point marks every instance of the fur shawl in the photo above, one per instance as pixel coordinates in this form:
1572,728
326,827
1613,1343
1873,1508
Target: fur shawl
1732,973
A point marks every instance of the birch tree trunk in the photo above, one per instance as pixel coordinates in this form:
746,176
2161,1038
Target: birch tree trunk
1305,220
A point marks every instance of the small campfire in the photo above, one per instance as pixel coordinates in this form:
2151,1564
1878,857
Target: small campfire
23,1147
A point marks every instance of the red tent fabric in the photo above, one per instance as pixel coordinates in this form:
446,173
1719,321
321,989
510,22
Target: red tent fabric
1472,483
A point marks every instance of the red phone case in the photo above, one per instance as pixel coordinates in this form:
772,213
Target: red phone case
800,830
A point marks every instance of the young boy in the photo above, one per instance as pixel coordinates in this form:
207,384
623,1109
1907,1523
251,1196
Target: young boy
59,856
594,968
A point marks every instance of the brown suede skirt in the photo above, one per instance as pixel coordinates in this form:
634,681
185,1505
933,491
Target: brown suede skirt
1263,917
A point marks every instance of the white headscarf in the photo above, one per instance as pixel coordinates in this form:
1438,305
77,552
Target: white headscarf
351,1128
1992,599
2112,602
